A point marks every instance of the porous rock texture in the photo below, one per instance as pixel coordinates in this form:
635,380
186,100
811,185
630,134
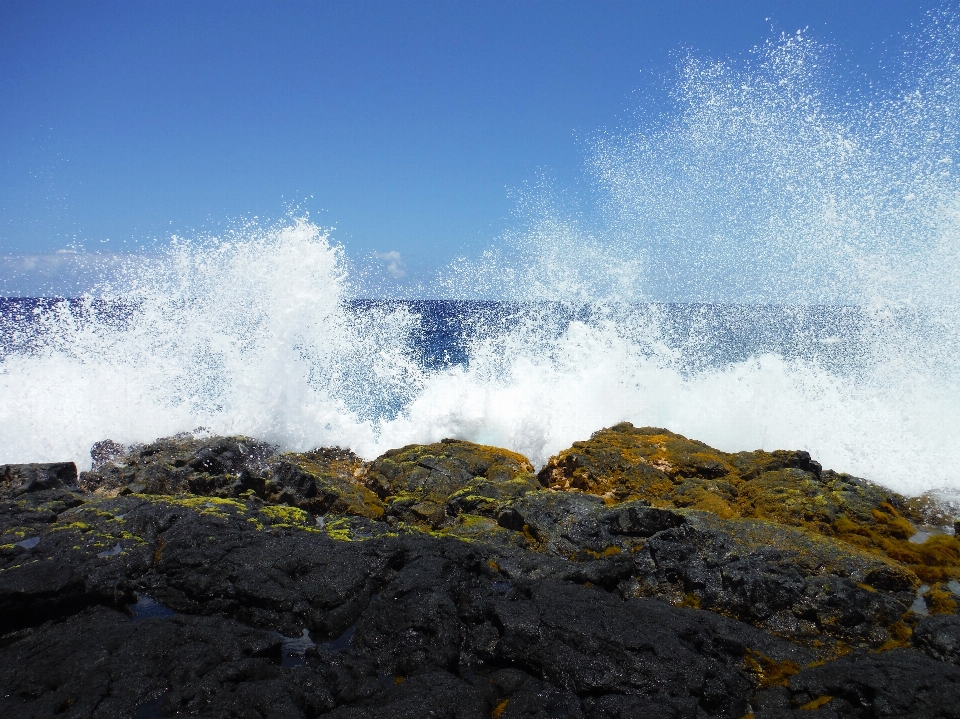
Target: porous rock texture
638,574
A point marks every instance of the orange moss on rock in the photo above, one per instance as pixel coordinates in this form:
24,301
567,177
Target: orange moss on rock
329,477
940,601
668,470
817,703
430,484
768,672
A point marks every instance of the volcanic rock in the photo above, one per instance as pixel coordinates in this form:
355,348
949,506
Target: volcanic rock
17,479
640,574
668,470
939,636
319,481
419,482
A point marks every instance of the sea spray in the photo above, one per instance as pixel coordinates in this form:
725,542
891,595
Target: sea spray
761,187
247,334
768,267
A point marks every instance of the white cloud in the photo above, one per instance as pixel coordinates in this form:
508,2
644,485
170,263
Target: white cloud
64,272
395,264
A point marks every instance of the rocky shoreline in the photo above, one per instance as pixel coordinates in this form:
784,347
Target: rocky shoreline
637,574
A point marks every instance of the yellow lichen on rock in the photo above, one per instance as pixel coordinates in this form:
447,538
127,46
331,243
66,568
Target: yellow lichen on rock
429,485
282,514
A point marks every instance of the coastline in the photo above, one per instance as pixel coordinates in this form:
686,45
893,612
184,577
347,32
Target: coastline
638,573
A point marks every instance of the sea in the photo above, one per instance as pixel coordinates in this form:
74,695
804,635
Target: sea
767,260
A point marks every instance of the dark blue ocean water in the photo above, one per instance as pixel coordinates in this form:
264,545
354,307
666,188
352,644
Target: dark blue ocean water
703,334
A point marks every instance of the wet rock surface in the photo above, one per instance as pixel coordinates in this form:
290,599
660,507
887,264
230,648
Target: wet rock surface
639,574
17,479
939,636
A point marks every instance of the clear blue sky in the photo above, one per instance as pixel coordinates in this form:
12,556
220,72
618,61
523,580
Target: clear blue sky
401,124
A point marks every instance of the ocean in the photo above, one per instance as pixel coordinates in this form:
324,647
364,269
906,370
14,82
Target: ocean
766,263
370,375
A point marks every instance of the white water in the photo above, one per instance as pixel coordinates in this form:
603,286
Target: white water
757,188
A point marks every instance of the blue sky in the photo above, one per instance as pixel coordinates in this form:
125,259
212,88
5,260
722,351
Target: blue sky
404,125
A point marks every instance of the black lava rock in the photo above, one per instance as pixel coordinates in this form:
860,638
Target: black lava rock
17,479
218,578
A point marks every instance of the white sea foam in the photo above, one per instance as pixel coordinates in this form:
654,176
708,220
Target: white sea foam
759,188
241,336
